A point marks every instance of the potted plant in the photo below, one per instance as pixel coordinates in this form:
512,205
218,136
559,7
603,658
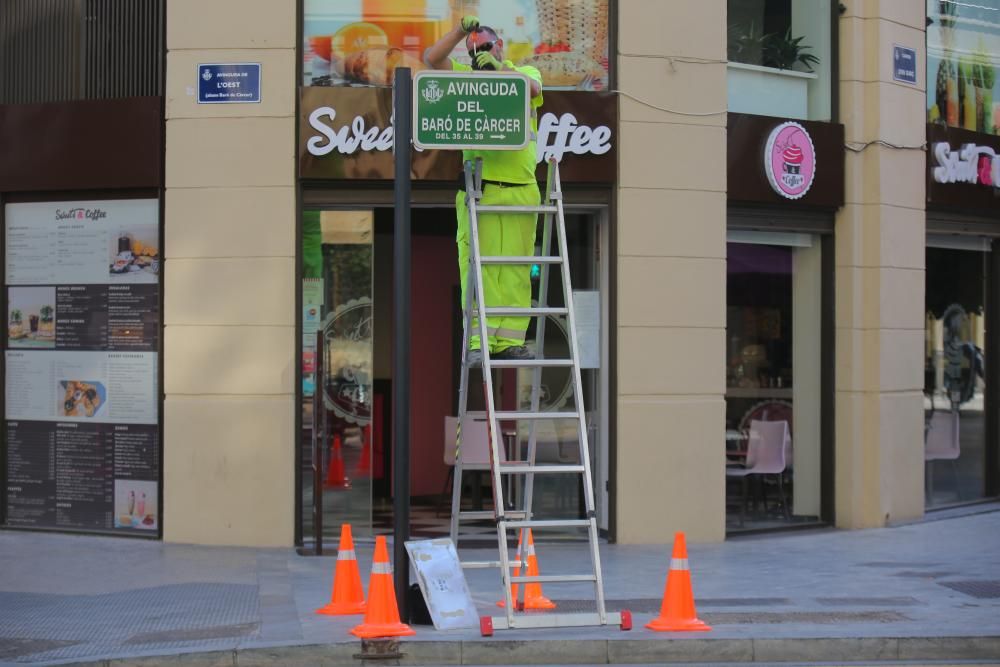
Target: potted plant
769,73
785,52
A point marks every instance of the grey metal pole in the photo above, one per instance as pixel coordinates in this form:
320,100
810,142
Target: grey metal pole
402,104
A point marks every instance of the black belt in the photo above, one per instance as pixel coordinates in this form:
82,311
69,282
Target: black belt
502,184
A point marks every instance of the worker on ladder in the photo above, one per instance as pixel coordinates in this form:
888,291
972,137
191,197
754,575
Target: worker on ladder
508,179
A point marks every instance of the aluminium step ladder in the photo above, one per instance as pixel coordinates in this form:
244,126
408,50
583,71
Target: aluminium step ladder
504,514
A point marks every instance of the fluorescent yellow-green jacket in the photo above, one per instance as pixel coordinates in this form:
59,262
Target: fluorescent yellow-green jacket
510,166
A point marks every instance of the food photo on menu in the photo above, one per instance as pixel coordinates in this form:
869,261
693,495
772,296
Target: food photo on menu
135,504
31,317
81,398
133,253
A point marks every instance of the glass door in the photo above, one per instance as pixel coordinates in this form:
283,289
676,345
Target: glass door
773,374
337,251
955,431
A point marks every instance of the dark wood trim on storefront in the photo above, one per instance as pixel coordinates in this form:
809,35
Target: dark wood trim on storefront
992,398
828,382
746,142
84,145
961,198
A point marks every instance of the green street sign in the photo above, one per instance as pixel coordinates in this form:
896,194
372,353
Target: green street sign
471,110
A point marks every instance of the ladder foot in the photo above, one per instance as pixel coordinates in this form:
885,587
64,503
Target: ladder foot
486,626
626,620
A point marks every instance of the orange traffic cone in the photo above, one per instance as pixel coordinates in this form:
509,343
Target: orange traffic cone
677,612
335,477
347,596
364,467
517,572
533,598
382,615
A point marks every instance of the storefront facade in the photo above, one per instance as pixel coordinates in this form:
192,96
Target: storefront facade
716,297
81,180
963,228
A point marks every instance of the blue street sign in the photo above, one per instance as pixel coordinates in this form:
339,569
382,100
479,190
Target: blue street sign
904,64
229,83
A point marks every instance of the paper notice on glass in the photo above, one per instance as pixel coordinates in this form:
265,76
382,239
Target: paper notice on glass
587,307
442,582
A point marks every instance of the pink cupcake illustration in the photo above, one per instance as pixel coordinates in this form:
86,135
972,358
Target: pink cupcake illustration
792,157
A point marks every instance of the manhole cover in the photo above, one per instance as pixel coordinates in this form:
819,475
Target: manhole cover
651,605
810,617
195,634
868,602
978,589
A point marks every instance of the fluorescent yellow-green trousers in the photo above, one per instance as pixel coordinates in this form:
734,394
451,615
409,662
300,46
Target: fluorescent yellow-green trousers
500,234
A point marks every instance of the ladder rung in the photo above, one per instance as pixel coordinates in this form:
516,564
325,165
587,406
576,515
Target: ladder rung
516,209
487,514
523,469
524,312
536,415
552,578
556,620
482,564
520,259
548,523
531,363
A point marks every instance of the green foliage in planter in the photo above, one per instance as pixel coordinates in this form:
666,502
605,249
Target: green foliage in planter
745,44
785,52
750,45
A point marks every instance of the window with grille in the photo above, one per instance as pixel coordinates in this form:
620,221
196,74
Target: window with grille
61,50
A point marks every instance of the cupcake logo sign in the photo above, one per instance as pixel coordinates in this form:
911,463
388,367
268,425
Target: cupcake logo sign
790,160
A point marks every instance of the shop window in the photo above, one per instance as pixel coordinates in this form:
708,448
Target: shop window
955,440
773,329
963,51
779,58
566,40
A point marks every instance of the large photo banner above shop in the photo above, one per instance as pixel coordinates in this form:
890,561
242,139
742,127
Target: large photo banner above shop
81,423
782,163
360,42
963,49
963,171
346,133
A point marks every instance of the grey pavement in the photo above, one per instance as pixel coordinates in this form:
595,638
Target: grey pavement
923,592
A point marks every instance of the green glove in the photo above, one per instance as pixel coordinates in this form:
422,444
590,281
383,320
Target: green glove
485,60
470,23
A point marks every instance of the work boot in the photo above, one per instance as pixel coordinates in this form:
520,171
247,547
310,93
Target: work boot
474,357
514,352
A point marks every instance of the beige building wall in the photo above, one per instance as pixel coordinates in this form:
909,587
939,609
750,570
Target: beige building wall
229,280
671,282
880,271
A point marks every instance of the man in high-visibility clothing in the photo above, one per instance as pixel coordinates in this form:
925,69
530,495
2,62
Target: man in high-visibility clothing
508,180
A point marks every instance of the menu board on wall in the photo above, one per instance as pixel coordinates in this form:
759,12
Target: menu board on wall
350,42
81,434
